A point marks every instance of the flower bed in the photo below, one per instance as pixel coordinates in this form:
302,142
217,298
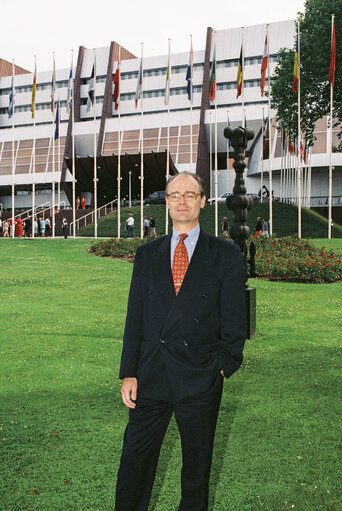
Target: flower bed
293,260
285,259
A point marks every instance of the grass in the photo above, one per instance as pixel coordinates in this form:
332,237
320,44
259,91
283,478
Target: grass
278,442
285,220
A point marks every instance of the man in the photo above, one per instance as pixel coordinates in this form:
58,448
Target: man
129,226
146,226
185,330
65,227
152,227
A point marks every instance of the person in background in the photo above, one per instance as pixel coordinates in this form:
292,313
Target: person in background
152,227
225,226
78,202
84,202
65,227
258,227
129,231
265,227
35,227
19,228
146,226
42,227
5,227
47,226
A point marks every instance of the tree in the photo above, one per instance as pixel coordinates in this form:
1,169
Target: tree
315,45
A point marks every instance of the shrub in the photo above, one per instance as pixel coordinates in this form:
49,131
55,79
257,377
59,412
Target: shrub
286,259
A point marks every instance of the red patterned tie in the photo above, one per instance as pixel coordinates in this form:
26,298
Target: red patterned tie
180,263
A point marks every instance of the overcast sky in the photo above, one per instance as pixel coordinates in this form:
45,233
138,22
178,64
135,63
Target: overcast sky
41,27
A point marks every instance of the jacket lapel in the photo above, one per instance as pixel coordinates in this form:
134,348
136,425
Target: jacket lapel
162,284
192,284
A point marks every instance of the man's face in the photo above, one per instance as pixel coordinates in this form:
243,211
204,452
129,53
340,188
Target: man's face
184,213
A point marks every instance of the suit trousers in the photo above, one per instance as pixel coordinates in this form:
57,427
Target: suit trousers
196,418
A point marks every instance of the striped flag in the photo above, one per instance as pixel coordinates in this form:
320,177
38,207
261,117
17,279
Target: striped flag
239,77
295,70
264,64
91,90
70,87
11,100
53,86
139,84
190,75
212,85
332,57
116,81
34,86
168,80
57,121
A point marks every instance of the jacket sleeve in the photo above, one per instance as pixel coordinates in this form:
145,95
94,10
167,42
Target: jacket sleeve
233,315
134,323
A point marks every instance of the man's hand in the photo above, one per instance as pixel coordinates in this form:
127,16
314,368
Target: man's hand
222,372
129,392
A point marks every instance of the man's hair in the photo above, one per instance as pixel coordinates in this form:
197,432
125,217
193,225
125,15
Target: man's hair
187,173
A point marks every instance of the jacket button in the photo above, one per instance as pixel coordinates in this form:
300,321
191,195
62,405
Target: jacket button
185,343
204,295
196,320
154,316
163,341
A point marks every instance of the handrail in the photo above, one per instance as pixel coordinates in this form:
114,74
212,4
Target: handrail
92,214
28,210
43,210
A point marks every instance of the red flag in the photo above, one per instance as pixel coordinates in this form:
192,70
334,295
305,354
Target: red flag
264,63
332,57
116,81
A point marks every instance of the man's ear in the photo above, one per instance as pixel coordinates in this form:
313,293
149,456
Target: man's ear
203,201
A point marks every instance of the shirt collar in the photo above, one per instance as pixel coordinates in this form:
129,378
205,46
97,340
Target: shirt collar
193,233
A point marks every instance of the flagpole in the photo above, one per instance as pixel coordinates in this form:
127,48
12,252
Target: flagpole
142,148
191,102
59,157
216,165
119,151
13,167
53,176
211,157
262,154
331,141
95,155
243,77
228,141
270,157
309,184
33,107
167,99
299,191
71,85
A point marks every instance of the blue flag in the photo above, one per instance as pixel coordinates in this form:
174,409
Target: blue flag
189,75
11,101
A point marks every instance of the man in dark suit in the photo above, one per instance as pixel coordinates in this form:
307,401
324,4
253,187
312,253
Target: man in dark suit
185,330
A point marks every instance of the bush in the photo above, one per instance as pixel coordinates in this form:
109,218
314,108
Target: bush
293,260
286,259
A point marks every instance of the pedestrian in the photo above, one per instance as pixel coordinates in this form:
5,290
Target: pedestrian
84,202
78,202
258,227
146,227
185,331
153,227
19,228
28,226
35,227
38,226
225,226
65,227
47,226
42,227
129,230
5,227
265,227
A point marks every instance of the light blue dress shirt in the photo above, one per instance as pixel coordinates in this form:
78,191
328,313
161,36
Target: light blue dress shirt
190,242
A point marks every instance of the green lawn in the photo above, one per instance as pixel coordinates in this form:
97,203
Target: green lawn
278,442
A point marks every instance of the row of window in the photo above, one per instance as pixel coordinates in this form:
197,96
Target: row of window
134,74
27,108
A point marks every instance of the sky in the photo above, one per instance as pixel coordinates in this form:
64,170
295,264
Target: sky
41,28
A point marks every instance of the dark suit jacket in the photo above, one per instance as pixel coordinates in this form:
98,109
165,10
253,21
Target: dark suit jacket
176,345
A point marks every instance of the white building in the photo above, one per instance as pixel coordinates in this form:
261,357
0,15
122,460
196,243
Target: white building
188,123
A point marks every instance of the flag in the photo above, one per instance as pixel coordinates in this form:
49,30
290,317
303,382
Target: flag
34,86
70,87
295,70
264,64
53,86
190,74
212,85
228,125
139,85
91,90
57,121
239,77
11,100
116,81
332,57
168,80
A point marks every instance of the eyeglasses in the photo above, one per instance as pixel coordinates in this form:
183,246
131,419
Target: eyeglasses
188,196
